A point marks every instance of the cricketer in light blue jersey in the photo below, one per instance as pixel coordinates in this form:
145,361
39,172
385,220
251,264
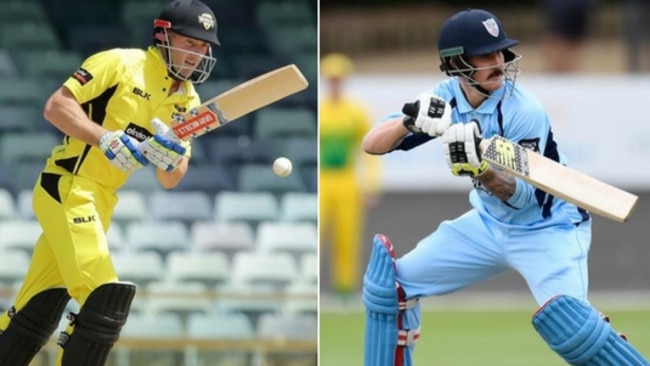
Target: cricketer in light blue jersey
512,225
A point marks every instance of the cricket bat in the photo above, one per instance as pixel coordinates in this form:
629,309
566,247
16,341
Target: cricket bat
238,101
554,178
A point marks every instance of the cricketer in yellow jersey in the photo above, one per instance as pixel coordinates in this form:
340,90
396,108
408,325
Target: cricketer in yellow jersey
342,195
111,111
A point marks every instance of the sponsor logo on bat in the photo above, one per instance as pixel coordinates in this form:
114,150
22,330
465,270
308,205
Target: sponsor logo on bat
508,155
195,124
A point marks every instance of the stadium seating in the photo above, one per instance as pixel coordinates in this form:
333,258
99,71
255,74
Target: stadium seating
223,237
19,235
275,122
22,92
28,34
263,271
260,178
131,206
152,327
13,266
299,207
24,203
8,67
231,326
208,178
289,327
250,207
278,14
210,269
185,207
302,299
303,151
159,237
8,209
308,267
287,237
181,299
234,152
27,147
140,269
18,119
116,238
54,64
143,180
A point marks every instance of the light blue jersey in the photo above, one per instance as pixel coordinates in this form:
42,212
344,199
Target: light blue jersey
519,117
543,238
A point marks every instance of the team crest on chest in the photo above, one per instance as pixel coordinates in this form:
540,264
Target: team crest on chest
206,20
491,26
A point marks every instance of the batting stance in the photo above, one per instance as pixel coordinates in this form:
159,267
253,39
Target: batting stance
110,111
511,226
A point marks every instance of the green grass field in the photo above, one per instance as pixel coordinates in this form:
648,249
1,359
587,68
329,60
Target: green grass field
485,338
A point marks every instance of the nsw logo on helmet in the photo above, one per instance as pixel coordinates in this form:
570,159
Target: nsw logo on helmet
206,20
491,26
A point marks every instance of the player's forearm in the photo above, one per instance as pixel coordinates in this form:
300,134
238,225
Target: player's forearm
384,137
169,180
501,184
65,113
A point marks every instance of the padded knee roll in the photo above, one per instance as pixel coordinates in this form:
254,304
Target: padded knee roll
97,326
32,326
578,333
392,322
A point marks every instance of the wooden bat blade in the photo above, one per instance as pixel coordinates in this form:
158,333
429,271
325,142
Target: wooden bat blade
238,101
554,178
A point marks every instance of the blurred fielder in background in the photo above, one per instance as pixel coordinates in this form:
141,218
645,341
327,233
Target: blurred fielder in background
111,111
343,197
511,226
567,26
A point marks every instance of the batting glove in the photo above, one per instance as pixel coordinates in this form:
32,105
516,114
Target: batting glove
430,114
163,149
122,151
461,148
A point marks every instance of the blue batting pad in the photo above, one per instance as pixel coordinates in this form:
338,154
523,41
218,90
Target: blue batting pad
389,318
578,333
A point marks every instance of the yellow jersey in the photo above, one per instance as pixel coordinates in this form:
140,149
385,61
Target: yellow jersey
343,123
119,89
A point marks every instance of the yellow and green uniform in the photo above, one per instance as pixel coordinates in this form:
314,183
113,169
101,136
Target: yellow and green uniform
74,197
343,123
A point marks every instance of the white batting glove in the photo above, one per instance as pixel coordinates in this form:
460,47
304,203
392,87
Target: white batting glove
163,149
122,151
460,145
431,115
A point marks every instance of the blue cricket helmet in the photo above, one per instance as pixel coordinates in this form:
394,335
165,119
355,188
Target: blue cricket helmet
472,32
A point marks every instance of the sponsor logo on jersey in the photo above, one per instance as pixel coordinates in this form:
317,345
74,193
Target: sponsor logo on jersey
82,76
141,93
83,219
532,144
137,132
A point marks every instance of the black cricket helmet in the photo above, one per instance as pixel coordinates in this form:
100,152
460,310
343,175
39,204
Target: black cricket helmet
189,18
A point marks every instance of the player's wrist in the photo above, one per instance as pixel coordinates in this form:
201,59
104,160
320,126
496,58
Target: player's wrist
482,169
409,123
